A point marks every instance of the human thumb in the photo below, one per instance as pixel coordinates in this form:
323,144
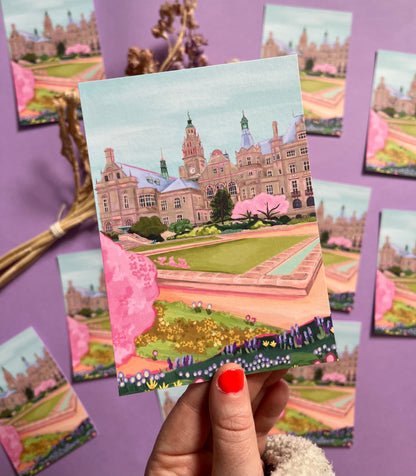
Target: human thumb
235,450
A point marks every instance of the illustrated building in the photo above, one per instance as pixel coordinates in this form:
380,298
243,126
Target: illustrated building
335,54
351,228
392,255
277,166
387,96
43,369
83,32
77,297
347,366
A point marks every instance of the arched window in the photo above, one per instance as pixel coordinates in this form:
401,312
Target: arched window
108,227
126,201
310,202
129,222
210,193
232,188
297,203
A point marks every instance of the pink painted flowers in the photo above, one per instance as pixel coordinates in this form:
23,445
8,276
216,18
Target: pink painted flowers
264,204
79,336
385,291
378,130
10,440
325,68
24,82
340,241
78,49
43,386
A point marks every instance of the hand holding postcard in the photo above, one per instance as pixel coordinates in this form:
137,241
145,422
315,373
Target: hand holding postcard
209,256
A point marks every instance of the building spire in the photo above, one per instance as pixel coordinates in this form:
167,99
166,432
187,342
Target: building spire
246,137
189,121
244,122
163,167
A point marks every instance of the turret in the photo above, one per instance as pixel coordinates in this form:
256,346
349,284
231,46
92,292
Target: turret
163,167
246,137
109,156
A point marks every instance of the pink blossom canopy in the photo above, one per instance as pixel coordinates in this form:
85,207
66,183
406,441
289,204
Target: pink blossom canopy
334,377
79,336
131,290
9,438
45,385
77,49
265,204
385,291
325,68
340,241
378,130
24,83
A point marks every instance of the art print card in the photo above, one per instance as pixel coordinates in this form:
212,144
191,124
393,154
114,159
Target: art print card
391,140
320,39
321,400
41,417
53,46
86,305
204,200
395,299
341,213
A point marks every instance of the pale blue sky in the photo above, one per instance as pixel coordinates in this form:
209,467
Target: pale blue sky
83,269
139,115
398,69
335,194
399,226
25,344
29,14
287,23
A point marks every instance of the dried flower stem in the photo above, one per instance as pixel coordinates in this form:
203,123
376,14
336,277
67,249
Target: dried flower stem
178,43
83,206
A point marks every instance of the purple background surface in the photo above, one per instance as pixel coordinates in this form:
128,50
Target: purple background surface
35,182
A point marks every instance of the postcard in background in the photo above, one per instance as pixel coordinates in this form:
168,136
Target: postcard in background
86,305
320,39
208,170
341,213
391,140
52,47
395,299
41,418
322,398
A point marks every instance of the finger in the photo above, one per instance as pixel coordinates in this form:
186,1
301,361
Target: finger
233,431
187,425
260,383
269,410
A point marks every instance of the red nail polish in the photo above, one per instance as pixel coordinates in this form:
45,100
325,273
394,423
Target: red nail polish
231,381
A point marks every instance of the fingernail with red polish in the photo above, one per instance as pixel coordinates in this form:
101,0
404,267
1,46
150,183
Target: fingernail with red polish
231,381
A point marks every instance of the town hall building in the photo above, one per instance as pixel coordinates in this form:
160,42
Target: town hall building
277,166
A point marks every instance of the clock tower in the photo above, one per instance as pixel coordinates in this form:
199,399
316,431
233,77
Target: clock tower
192,153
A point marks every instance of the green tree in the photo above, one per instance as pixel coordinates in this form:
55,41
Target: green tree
309,65
29,394
324,237
60,49
44,57
149,227
396,270
390,111
317,377
222,206
180,227
6,413
31,57
85,311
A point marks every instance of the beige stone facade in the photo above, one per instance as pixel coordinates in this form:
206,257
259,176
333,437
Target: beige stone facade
386,96
351,228
43,369
333,54
77,298
277,166
392,255
84,32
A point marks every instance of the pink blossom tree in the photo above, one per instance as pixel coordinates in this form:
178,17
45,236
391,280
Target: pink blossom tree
325,68
378,130
385,291
79,336
131,291
43,386
334,377
24,82
9,438
243,209
340,241
268,205
78,49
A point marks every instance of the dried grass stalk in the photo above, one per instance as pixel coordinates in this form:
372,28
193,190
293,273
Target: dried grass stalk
83,206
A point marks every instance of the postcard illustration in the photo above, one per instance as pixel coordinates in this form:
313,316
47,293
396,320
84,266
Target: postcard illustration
53,46
391,140
320,39
209,256
395,299
321,400
83,285
41,418
342,212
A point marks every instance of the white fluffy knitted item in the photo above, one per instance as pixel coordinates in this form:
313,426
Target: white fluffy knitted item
288,455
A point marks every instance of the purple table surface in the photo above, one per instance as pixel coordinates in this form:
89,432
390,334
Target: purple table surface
35,182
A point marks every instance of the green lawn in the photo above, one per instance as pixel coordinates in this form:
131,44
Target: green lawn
314,85
233,257
66,70
401,313
394,153
35,446
411,285
330,258
294,421
43,409
319,394
408,129
41,101
168,244
98,354
102,320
